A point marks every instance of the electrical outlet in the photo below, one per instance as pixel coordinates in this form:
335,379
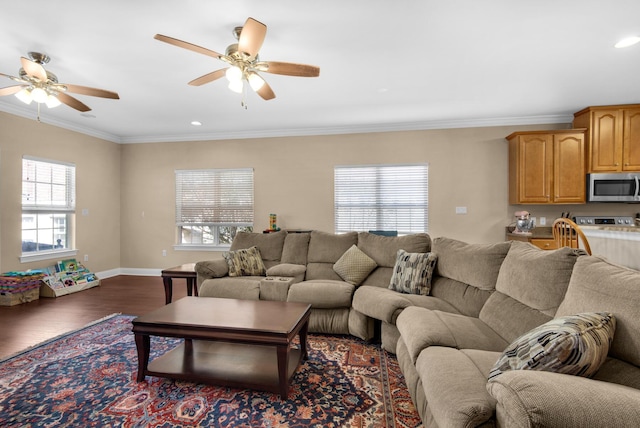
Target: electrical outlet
461,210
86,257
164,253
543,221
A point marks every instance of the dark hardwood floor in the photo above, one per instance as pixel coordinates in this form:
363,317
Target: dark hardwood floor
30,323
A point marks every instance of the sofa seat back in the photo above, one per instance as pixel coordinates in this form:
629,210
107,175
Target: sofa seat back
600,286
269,244
384,251
466,274
530,287
324,250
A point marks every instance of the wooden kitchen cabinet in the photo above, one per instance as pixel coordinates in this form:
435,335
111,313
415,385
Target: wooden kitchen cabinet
547,167
612,138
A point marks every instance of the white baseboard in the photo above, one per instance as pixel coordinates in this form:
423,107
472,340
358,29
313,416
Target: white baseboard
128,271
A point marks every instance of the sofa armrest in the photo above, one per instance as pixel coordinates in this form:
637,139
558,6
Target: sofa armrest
527,398
211,269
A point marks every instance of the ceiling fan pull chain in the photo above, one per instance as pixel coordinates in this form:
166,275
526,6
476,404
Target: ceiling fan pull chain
39,113
243,103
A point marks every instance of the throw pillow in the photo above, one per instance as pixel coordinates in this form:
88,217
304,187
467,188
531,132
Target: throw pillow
413,272
354,266
575,344
246,262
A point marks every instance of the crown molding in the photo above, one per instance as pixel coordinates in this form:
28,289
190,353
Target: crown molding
362,128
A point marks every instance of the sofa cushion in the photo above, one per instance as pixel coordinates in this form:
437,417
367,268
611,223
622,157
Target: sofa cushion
528,399
455,385
288,270
600,286
530,287
354,265
473,264
385,305
320,293
245,287
269,244
413,272
245,262
383,249
574,344
421,328
296,247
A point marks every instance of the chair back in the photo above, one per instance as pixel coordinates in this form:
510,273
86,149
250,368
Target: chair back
567,233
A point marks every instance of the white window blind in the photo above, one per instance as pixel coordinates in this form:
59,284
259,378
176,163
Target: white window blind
48,186
381,197
214,196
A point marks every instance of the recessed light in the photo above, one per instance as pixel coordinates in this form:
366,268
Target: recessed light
628,41
196,123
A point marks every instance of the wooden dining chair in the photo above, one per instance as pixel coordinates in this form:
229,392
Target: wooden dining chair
567,233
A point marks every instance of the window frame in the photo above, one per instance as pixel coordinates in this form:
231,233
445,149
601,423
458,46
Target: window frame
370,190
55,207
191,210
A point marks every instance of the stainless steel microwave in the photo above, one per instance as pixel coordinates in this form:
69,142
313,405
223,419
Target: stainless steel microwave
613,187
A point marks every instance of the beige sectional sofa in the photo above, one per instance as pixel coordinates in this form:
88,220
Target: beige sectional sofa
305,263
491,310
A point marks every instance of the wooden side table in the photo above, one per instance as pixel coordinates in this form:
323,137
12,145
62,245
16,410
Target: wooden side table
186,271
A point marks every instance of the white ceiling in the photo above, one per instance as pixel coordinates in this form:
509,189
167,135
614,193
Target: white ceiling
384,65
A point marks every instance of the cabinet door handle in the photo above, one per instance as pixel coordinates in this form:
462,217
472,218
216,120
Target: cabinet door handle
617,164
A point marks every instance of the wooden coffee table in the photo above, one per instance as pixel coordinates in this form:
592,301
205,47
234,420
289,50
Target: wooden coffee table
229,342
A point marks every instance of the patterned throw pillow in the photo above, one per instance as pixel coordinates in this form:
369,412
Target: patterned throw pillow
576,345
413,272
354,266
246,262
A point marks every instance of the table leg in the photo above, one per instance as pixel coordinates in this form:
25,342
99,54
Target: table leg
168,289
192,290
283,368
143,343
303,341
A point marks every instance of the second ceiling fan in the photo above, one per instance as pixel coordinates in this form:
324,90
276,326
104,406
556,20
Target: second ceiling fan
243,61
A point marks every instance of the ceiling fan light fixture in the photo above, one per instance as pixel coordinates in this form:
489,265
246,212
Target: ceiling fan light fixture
233,74
52,101
255,81
39,95
627,41
25,96
236,86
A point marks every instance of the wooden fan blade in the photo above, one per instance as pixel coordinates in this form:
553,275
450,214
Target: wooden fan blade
251,37
187,45
94,92
72,102
34,69
266,92
291,69
209,77
10,90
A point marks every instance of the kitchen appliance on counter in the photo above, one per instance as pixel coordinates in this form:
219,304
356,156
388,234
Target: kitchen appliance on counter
605,221
613,187
524,223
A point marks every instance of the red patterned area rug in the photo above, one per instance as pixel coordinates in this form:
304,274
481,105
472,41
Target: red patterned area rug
87,378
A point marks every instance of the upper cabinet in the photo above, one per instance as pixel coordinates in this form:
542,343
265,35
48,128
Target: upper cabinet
547,167
612,138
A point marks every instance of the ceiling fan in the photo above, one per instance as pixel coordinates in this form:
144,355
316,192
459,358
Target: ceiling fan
42,86
244,62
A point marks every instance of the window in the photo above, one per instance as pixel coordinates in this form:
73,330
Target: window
48,206
381,197
212,205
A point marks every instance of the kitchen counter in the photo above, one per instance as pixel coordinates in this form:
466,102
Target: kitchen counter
542,232
619,244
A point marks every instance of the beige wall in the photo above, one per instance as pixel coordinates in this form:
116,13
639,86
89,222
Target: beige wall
97,189
129,189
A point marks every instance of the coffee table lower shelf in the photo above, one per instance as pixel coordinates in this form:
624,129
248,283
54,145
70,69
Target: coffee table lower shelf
236,365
